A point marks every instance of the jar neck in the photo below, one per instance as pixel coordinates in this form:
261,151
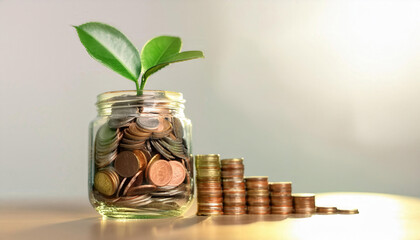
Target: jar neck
150,102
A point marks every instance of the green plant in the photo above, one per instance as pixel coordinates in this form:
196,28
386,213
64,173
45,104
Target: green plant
110,47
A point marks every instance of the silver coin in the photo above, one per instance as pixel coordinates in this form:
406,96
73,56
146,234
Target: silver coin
148,146
148,123
178,129
177,151
172,141
105,133
120,122
161,150
124,110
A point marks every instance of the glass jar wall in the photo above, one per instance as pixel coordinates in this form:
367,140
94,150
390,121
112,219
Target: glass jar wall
140,162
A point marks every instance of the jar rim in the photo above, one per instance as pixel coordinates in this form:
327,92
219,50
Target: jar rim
109,96
128,98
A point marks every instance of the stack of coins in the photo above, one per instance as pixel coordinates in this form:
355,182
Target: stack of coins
281,198
304,203
326,210
257,192
234,194
209,188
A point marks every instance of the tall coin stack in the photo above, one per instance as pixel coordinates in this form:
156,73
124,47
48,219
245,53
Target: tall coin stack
209,188
234,193
281,198
258,199
304,203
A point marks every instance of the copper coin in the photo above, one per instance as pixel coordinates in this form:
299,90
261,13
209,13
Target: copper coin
326,210
215,184
209,199
259,209
216,195
132,181
232,160
281,194
153,159
160,173
234,184
126,164
178,173
258,192
280,186
120,188
142,189
256,178
142,158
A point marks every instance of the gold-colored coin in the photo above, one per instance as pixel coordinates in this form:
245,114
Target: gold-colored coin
106,181
348,211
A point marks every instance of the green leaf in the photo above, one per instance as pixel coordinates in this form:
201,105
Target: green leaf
157,49
178,57
110,47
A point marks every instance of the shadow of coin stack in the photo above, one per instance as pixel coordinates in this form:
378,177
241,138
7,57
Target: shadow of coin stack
257,192
281,197
234,193
304,203
209,188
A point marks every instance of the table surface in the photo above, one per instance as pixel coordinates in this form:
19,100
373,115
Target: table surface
382,216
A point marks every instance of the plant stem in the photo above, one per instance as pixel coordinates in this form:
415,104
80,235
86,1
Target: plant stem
143,82
137,88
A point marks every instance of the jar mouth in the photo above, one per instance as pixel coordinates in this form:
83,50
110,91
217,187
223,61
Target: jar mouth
128,98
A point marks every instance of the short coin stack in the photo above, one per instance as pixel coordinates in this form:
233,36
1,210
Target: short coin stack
281,198
234,194
304,203
258,199
326,210
209,188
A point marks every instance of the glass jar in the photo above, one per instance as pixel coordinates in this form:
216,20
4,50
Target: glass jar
140,163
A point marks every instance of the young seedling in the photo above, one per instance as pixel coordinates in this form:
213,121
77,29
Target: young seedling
111,48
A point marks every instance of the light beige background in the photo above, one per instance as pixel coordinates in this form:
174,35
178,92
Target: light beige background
322,93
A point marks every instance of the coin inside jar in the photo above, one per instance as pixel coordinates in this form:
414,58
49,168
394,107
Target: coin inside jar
127,164
178,173
148,123
142,189
160,173
106,182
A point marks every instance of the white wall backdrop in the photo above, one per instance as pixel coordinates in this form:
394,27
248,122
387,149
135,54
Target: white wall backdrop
322,93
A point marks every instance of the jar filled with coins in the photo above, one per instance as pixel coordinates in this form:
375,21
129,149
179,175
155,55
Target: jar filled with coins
140,155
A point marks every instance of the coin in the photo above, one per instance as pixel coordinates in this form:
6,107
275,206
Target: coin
142,189
148,123
120,187
160,173
178,173
281,186
348,211
234,210
142,159
106,181
127,164
119,122
326,210
136,180
178,129
259,209
256,182
281,210
134,201
153,159
165,153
